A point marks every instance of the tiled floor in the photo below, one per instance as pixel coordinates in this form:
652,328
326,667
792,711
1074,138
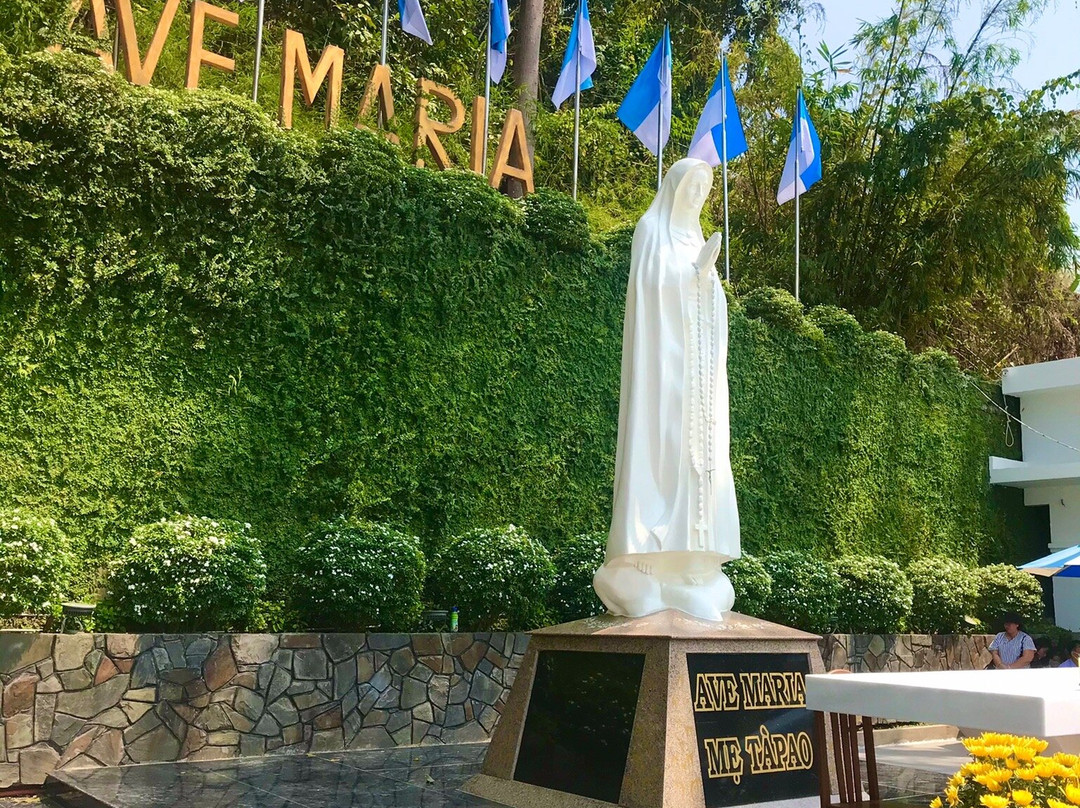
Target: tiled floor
424,777
914,773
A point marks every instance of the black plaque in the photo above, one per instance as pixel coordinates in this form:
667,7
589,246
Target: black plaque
581,713
755,736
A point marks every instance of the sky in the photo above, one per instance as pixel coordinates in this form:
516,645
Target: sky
1050,49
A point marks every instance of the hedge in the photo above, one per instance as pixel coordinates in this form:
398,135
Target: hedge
874,596
357,576
188,573
202,313
943,595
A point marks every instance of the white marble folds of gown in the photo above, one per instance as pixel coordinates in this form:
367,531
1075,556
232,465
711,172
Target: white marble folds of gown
675,520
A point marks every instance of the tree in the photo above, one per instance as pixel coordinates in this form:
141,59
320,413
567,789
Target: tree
943,200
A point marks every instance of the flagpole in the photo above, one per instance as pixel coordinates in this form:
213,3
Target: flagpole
659,148
577,107
723,148
798,175
798,148
487,89
660,119
385,24
258,50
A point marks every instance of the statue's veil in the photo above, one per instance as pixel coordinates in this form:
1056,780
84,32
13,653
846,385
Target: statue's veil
669,209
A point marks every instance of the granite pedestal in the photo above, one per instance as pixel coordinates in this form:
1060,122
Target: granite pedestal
657,712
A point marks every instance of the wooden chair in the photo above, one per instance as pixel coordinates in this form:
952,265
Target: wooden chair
840,733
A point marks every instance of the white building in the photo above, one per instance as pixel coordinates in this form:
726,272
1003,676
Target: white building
1049,394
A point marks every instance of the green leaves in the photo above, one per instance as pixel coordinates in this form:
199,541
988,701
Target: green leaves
189,573
353,575
498,577
1002,588
944,593
576,560
36,563
200,313
752,584
874,596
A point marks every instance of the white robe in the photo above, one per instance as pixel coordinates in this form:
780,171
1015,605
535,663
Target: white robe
673,485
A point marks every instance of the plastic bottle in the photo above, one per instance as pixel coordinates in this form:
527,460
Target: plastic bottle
454,618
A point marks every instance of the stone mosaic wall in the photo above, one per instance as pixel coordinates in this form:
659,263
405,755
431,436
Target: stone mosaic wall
71,701
78,700
866,653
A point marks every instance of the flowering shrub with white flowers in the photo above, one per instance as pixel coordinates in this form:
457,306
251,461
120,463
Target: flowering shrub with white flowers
944,595
576,561
499,578
35,563
804,590
355,575
1002,588
189,573
752,584
874,596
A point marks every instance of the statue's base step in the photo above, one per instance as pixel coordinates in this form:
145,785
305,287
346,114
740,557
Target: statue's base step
658,712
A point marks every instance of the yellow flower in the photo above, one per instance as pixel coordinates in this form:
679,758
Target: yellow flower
935,803
999,752
1022,797
1012,763
952,794
988,782
1066,759
1001,774
1027,773
993,801
957,780
1024,753
977,749
1072,793
1046,769
1056,803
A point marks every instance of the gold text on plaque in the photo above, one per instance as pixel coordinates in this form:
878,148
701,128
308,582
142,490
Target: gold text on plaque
724,758
778,752
715,692
772,690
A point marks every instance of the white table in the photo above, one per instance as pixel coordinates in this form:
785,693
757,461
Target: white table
1044,703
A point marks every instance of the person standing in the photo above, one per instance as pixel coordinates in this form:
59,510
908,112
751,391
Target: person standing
1013,647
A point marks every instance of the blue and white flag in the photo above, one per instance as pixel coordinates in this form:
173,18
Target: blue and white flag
804,152
412,19
580,50
720,115
500,33
646,110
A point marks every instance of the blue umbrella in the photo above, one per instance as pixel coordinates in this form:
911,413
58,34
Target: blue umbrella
1062,564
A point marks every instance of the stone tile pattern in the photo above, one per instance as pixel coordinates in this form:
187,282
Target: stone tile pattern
877,653
90,700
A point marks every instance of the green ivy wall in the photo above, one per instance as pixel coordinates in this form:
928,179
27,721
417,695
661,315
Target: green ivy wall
202,313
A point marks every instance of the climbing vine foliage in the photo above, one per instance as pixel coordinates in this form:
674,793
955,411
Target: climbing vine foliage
201,313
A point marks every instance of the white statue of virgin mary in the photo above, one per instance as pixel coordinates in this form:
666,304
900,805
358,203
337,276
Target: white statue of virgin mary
674,520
